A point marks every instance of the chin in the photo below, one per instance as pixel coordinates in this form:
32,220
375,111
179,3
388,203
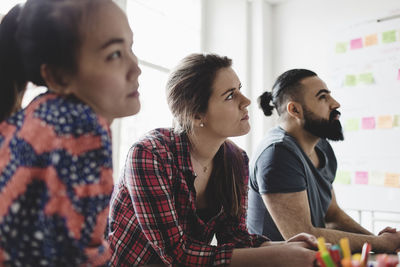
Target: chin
247,129
241,132
136,111
135,108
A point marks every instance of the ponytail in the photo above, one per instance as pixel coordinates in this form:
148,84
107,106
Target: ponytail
264,101
12,76
286,87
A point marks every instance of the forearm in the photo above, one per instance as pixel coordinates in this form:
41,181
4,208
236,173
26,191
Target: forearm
356,240
249,256
281,255
344,222
261,256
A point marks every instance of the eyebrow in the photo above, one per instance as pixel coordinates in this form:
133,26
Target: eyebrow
231,90
322,91
228,91
111,42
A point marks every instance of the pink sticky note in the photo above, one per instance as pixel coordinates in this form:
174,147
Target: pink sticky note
356,43
368,123
361,178
398,76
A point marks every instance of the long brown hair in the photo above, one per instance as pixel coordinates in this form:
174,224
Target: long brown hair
189,88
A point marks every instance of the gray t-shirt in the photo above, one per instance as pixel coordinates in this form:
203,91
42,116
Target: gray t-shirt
279,165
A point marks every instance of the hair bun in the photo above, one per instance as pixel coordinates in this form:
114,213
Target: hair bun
264,101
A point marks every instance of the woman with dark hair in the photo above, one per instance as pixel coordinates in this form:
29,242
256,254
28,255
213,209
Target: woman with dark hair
55,155
12,80
185,184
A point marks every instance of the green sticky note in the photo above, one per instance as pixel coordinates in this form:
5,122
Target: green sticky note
352,125
341,48
389,37
343,177
350,80
366,78
396,120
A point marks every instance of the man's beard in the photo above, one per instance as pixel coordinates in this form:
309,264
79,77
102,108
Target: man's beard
330,129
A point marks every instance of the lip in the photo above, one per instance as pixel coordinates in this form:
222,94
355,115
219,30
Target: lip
134,94
245,117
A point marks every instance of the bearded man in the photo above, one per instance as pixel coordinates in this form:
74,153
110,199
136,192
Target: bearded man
294,166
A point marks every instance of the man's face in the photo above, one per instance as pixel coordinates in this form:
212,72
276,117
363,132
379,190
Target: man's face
321,117
330,129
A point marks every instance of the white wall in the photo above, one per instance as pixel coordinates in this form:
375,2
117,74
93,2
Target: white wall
303,29
241,30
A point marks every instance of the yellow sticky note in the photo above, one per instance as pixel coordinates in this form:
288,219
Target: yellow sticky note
350,80
352,125
366,78
371,39
385,122
389,37
396,120
343,177
392,180
341,48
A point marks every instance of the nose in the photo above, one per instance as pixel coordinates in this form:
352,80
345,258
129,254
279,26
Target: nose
245,102
134,70
334,104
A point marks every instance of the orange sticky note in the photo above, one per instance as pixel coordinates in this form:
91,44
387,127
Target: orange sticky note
371,39
385,122
392,180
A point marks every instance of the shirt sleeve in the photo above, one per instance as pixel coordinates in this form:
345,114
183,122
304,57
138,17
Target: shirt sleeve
83,164
153,201
234,230
279,170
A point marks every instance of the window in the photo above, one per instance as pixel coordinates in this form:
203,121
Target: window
164,33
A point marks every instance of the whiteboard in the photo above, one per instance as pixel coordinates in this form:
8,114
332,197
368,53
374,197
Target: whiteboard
364,77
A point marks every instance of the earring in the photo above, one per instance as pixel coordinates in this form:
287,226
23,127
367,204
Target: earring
201,125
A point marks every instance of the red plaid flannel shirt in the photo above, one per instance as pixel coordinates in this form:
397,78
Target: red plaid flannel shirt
153,214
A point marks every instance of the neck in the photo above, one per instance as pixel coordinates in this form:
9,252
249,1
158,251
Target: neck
306,140
203,146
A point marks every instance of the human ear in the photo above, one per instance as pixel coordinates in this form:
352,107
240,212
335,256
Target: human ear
198,121
294,109
56,79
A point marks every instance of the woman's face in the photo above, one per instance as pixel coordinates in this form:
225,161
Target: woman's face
227,114
108,71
